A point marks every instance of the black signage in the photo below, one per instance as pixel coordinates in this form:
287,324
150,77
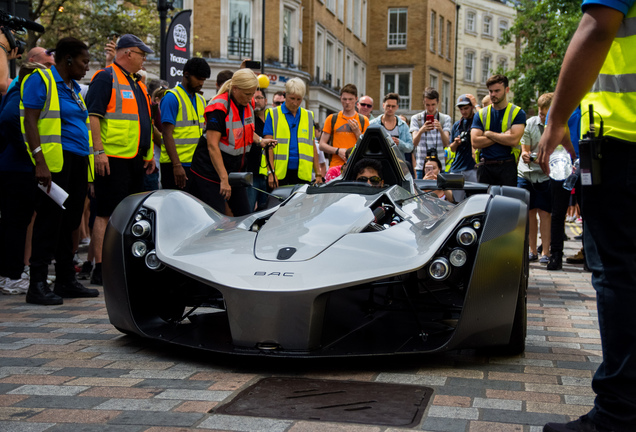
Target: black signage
177,47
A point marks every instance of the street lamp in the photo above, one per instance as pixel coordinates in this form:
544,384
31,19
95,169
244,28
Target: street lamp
163,6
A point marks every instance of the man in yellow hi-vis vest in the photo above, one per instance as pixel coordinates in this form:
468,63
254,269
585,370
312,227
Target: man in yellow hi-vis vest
295,156
496,132
119,110
599,72
183,124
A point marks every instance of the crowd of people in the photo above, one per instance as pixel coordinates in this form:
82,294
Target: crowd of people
102,142
97,145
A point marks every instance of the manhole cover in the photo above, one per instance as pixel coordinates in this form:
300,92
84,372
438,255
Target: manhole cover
335,401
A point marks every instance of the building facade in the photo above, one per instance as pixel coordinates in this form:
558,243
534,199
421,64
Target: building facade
412,47
481,25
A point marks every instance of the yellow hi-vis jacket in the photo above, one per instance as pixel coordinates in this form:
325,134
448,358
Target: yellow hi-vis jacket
281,151
50,126
614,92
189,126
506,123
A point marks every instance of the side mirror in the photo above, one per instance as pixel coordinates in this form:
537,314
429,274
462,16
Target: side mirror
240,179
450,181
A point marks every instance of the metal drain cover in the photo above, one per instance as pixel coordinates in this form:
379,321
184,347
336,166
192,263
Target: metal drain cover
332,401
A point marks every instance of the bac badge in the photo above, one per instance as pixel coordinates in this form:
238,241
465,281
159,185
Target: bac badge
127,94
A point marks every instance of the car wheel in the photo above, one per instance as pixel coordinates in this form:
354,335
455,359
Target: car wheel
127,332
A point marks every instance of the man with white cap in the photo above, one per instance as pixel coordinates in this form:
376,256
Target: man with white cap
464,161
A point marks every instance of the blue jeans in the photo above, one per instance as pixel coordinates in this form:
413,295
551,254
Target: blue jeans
610,250
256,197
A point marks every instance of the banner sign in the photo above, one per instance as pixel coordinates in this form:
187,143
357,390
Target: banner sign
177,47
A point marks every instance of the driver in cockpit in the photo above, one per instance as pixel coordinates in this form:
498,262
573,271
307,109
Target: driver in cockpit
369,171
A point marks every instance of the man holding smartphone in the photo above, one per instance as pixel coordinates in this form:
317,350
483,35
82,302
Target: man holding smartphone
431,131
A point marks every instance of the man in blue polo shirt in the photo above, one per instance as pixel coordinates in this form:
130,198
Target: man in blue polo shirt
496,132
295,156
598,70
183,124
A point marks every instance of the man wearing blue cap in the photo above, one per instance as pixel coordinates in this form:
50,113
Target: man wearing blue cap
119,109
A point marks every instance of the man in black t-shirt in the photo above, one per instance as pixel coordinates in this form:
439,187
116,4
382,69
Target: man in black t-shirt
464,161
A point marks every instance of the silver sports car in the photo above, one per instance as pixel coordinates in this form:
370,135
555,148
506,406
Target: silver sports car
340,269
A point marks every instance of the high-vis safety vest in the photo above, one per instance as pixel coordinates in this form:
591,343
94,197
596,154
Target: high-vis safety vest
188,128
238,134
50,126
614,92
506,123
120,127
282,134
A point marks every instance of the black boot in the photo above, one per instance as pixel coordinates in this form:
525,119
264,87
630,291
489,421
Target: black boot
556,261
74,289
96,278
39,293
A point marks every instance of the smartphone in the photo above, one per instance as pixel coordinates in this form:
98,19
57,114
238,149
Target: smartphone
430,118
256,65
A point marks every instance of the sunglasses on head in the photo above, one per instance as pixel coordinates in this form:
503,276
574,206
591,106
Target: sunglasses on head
366,105
375,180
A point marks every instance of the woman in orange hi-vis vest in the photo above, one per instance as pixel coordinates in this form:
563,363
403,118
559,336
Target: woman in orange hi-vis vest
226,143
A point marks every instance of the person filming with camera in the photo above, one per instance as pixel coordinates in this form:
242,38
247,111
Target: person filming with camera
464,162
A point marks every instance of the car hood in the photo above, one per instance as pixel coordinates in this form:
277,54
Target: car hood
309,224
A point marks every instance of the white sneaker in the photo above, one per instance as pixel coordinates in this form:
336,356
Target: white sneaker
3,281
26,273
15,286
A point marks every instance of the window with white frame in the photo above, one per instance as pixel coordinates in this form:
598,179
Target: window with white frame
449,29
356,17
331,5
432,35
350,14
398,82
446,102
240,41
469,74
486,65
290,33
503,63
363,31
440,41
362,86
487,27
503,26
432,81
320,43
470,21
341,9
340,66
329,62
356,74
397,27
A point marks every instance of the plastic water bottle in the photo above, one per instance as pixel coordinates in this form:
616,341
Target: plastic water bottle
560,164
569,182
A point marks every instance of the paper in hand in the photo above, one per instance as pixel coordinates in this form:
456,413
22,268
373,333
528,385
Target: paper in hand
56,193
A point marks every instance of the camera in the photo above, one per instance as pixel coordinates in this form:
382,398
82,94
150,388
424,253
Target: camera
464,137
431,152
19,26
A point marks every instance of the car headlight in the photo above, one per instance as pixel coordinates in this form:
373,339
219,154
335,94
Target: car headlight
466,236
139,249
439,269
141,228
458,257
152,261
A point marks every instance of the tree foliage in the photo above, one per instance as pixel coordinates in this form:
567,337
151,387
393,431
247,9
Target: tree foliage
94,22
542,31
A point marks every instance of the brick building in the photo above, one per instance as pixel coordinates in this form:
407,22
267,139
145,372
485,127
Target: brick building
481,24
412,46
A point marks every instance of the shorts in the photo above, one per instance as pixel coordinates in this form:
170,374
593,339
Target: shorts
126,178
540,195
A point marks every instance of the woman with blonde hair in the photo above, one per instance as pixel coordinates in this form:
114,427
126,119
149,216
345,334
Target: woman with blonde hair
227,141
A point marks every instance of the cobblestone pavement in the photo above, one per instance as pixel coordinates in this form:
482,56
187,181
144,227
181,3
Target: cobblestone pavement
65,368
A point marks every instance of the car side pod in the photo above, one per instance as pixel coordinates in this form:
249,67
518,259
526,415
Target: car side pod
510,191
116,293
